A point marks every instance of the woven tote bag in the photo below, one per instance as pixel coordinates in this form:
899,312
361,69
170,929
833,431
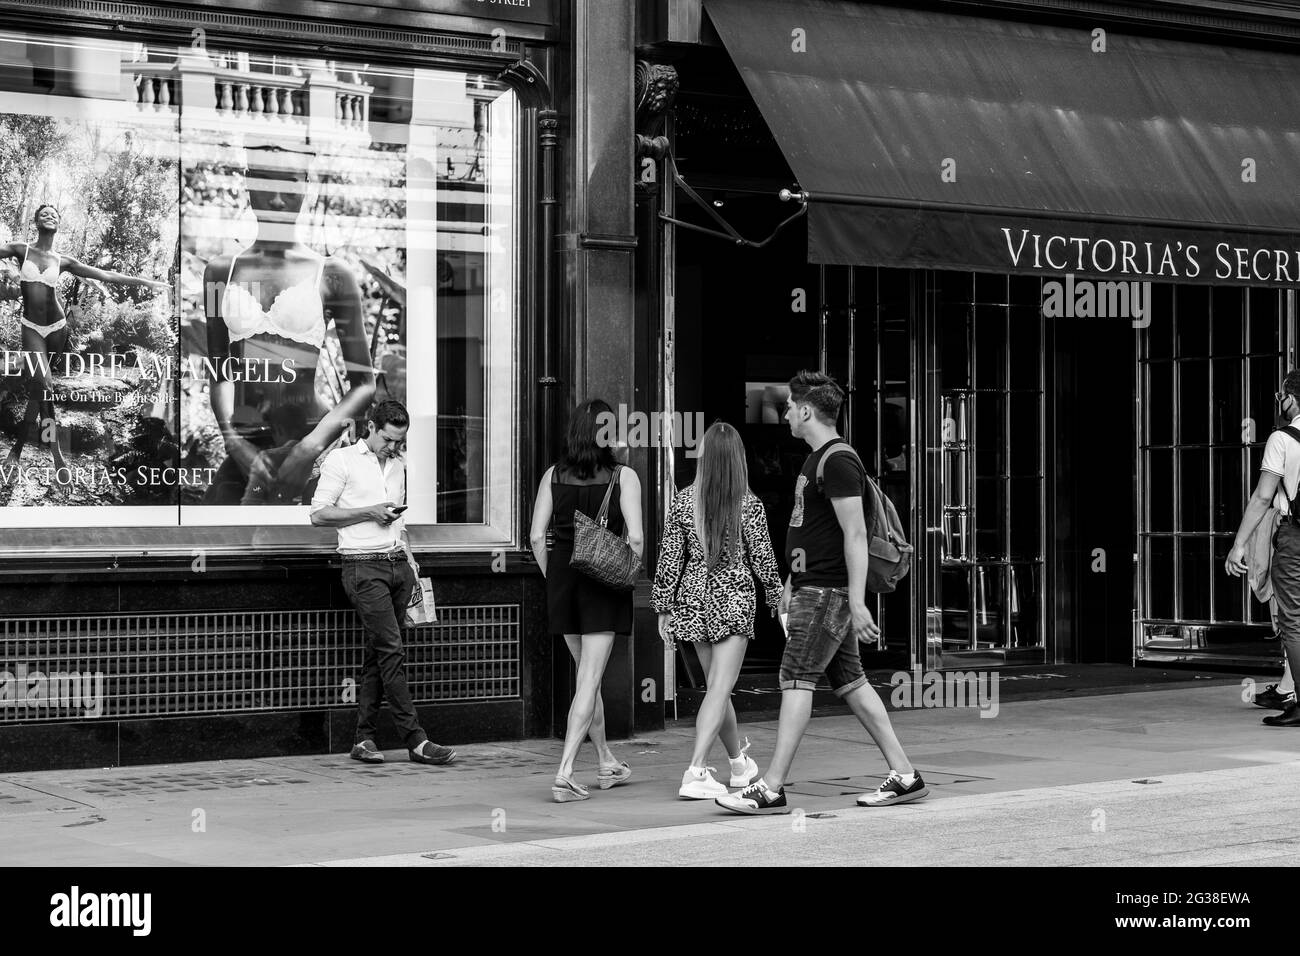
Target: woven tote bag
599,553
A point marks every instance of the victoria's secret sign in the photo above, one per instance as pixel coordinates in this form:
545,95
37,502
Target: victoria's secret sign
1194,258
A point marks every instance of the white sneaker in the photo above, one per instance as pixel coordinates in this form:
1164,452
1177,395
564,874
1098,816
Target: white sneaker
698,784
743,769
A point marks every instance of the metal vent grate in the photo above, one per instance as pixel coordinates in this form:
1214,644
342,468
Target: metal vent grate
158,665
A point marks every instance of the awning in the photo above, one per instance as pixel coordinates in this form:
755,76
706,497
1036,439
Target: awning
939,140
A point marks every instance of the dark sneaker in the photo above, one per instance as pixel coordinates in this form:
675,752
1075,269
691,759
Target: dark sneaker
431,754
1271,699
892,791
1288,718
755,800
366,752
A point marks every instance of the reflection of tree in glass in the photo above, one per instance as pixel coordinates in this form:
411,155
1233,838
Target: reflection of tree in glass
26,144
129,199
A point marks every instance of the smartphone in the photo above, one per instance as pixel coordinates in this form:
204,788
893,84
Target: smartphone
398,509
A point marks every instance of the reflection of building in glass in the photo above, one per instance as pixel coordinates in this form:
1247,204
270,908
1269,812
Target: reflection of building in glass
247,94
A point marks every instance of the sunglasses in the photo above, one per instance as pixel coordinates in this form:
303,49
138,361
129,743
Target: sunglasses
1280,398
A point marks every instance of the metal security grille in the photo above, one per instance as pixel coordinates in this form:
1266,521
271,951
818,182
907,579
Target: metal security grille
157,665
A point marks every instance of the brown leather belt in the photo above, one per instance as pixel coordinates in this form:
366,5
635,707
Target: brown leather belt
398,555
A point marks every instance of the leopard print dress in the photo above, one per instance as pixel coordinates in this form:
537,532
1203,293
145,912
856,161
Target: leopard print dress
711,606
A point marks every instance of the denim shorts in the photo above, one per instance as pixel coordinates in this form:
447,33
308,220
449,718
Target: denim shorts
819,640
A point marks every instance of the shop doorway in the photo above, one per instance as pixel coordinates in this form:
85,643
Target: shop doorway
984,408
746,320
948,396
948,402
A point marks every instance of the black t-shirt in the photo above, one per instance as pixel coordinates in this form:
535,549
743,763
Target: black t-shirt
814,528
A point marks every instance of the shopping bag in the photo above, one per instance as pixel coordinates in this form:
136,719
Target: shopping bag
421,608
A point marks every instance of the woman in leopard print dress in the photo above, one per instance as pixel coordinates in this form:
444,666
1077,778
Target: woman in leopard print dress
715,543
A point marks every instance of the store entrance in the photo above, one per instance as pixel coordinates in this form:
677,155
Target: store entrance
949,389
748,319
739,337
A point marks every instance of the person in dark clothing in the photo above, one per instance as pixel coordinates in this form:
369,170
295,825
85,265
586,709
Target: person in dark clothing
826,600
1279,484
587,613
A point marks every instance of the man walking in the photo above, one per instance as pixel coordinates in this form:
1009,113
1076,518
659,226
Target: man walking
825,598
358,490
1279,482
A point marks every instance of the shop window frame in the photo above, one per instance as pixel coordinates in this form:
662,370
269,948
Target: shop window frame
501,527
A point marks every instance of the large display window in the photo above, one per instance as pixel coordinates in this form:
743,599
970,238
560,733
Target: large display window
212,262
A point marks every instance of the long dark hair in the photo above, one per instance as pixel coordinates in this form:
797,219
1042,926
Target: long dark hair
584,454
721,483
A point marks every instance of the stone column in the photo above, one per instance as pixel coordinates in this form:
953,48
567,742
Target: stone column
595,246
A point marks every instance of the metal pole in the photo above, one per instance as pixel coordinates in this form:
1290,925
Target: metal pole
824,312
548,140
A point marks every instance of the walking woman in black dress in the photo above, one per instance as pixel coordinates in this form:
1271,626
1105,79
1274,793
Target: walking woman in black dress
587,613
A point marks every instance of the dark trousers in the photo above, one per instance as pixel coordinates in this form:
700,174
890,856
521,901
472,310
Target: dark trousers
379,590
1285,571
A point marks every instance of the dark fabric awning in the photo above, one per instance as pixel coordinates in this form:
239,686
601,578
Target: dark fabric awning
1154,159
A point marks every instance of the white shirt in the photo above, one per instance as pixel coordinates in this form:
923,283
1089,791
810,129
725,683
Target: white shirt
351,478
1282,457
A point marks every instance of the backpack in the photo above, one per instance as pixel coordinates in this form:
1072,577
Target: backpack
890,554
1281,482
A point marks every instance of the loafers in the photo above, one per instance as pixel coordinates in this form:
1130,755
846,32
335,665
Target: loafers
1288,718
366,752
433,755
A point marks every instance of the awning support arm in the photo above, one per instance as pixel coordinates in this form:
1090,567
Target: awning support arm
730,233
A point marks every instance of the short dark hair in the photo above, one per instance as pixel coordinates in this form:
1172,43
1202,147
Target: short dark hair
389,412
820,391
1291,384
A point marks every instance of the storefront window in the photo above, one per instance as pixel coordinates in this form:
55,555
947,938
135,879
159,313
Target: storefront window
213,263
1203,428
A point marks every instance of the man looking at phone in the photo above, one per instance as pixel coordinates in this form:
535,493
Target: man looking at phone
359,490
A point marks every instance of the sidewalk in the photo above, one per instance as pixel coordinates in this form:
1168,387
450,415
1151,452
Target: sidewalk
1152,777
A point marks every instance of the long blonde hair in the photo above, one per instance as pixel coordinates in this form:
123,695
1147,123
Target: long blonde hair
721,483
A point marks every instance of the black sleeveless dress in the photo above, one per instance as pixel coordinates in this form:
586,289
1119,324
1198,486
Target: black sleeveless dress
575,603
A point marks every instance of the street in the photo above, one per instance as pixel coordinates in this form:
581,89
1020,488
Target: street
1184,775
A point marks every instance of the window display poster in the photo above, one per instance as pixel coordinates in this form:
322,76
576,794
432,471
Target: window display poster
293,254
88,241
206,258
198,303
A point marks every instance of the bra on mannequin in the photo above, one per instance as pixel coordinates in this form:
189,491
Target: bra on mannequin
296,313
